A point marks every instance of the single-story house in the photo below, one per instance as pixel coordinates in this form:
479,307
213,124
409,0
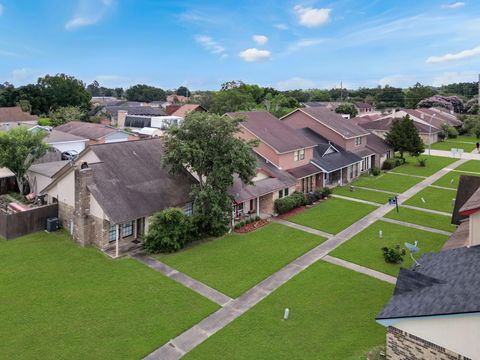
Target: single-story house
63,141
14,116
363,107
95,133
185,109
108,194
42,174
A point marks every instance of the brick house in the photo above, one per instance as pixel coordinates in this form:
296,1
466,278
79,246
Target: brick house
434,312
108,194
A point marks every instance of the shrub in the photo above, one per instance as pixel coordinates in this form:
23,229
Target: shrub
248,221
375,171
44,122
167,232
257,218
441,136
241,224
422,162
393,255
310,198
289,203
326,192
452,132
388,164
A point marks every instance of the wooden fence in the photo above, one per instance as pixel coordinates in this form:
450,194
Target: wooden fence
26,222
8,184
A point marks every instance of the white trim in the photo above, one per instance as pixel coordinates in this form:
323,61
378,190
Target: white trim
343,167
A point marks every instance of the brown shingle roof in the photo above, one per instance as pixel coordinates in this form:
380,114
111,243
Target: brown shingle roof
386,123
185,109
335,122
273,132
15,114
86,130
467,186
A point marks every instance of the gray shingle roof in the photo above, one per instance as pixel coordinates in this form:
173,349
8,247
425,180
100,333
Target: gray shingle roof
377,144
49,168
447,282
334,121
86,130
56,136
129,182
112,110
272,131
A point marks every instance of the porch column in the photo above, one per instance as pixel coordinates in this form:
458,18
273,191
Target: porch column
135,230
117,236
258,206
341,177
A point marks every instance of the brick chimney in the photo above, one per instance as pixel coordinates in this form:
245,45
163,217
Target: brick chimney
121,116
82,223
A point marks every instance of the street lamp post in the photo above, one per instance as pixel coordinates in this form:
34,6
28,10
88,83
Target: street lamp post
430,134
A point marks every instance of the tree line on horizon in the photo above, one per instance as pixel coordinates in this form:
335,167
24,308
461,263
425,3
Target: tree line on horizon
52,92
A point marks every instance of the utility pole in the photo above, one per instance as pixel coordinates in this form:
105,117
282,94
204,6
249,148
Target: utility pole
478,95
341,90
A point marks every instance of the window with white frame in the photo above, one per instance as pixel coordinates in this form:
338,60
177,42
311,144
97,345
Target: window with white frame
282,193
358,141
127,229
188,209
299,155
112,233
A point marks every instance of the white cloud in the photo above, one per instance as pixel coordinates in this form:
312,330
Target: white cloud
24,76
281,26
312,17
2,8
454,5
454,77
253,55
304,43
453,57
89,12
210,44
260,39
295,83
398,80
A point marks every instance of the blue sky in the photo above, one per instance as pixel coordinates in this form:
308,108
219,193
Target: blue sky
201,44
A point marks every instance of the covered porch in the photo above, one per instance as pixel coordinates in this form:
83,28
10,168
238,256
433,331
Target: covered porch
125,237
247,209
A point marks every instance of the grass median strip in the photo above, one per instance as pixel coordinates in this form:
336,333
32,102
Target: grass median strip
363,194
422,218
332,312
366,247
234,263
452,178
332,215
471,166
388,182
434,199
433,164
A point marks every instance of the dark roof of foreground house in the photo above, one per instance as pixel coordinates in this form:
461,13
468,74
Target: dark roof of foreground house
15,114
86,130
327,155
445,283
272,131
130,183
276,180
335,122
468,185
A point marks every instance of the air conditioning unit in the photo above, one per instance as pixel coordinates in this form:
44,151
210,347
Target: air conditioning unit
52,224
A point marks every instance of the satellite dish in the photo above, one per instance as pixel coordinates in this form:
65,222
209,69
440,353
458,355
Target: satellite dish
413,249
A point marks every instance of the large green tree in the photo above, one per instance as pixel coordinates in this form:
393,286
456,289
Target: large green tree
207,145
63,90
403,137
145,93
19,148
347,108
66,114
234,99
415,94
280,104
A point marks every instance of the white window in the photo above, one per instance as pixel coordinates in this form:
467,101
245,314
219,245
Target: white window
127,229
112,233
299,155
188,209
358,141
282,193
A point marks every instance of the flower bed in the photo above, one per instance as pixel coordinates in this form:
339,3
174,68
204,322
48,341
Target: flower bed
252,226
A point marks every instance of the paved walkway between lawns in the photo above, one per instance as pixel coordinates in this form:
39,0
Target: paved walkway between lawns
302,228
416,226
436,212
446,153
200,332
356,200
442,187
361,269
195,285
377,190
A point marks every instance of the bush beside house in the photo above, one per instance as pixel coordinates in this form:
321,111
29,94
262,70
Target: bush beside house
168,231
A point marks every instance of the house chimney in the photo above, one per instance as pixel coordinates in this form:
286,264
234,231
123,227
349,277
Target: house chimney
422,116
121,116
82,223
394,111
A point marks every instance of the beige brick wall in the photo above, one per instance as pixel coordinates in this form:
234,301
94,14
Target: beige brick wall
404,346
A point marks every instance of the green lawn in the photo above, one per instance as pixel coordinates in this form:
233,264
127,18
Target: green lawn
449,144
422,218
332,316
363,194
60,301
471,165
234,263
451,179
388,182
435,199
365,248
433,164
333,215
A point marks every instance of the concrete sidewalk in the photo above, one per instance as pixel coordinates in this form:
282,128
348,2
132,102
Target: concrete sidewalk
302,228
415,226
445,153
